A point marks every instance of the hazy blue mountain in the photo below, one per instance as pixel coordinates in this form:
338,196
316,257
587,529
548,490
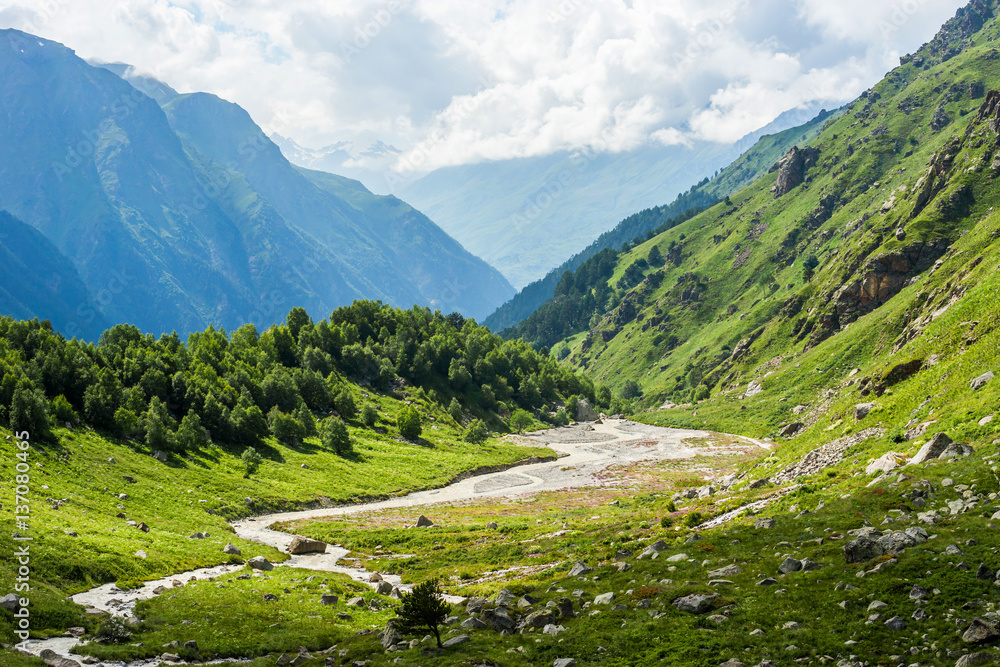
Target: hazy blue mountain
527,216
37,281
173,223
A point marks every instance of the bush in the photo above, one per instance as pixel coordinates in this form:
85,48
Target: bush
191,435
408,422
251,461
701,393
285,428
334,435
666,522
562,417
344,402
693,519
520,420
455,410
114,630
477,432
369,415
126,422
63,411
29,411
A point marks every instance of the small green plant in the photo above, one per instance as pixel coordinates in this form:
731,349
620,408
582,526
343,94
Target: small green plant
455,410
251,461
671,507
408,422
369,415
477,432
520,420
114,630
693,519
666,522
423,609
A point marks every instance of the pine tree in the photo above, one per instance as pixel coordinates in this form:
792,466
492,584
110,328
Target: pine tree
423,608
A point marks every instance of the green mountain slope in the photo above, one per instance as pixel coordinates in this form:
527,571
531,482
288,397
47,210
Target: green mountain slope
37,281
894,200
540,330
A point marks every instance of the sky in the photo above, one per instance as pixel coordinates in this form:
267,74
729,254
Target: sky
452,82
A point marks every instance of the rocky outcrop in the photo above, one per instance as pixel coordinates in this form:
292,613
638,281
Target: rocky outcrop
882,278
792,169
304,545
935,178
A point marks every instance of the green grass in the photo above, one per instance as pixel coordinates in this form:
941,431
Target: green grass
184,496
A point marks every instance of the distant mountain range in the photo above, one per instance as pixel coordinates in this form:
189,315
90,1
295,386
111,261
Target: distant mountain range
369,163
527,216
183,211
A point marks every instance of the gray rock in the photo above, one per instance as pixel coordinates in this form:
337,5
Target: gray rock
553,630
384,588
304,545
260,563
579,570
862,550
862,410
564,662
52,659
896,624
695,603
917,533
896,542
390,635
585,411
972,659
492,525
809,565
732,662
231,550
980,631
885,463
505,598
10,602
763,523
605,598
424,522
475,604
565,607
473,623
539,619
985,573
140,554
981,381
270,597
933,449
790,565
768,581
160,456
918,592
727,571
455,641
498,619
956,450
329,600
791,430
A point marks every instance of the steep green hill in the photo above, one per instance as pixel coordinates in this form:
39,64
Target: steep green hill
895,202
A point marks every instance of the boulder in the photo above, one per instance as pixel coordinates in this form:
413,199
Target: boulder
792,169
473,623
140,554
160,456
10,602
539,619
455,641
329,600
585,411
885,463
564,662
498,619
724,572
604,598
956,450
895,542
304,545
565,607
972,659
231,549
260,563
763,523
791,430
933,449
985,573
52,659
862,410
862,550
790,565
390,635
384,588
695,603
981,381
579,569
896,624
424,522
981,631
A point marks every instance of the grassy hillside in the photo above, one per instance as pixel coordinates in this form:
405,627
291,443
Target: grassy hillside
898,212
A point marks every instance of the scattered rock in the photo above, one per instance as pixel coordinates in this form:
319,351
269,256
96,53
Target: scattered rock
972,659
564,662
140,554
981,381
231,549
885,463
329,600
695,603
763,523
790,565
260,563
52,659
160,456
605,598
862,550
727,571
980,631
424,522
896,624
455,641
579,570
932,449
862,410
304,545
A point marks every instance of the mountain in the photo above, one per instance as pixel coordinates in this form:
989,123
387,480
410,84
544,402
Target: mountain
527,216
635,228
862,269
368,163
196,217
37,281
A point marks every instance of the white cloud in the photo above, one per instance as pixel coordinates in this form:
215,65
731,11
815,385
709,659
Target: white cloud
460,81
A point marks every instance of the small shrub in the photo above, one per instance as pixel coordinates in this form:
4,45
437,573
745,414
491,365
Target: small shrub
369,415
334,435
666,522
477,432
114,630
671,507
251,461
408,422
520,420
693,519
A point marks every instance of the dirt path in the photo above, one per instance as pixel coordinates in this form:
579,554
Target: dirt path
586,450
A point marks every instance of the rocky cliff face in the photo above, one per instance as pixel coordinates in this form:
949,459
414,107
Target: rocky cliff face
793,167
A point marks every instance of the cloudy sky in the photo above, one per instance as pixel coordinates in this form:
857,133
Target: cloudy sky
462,81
